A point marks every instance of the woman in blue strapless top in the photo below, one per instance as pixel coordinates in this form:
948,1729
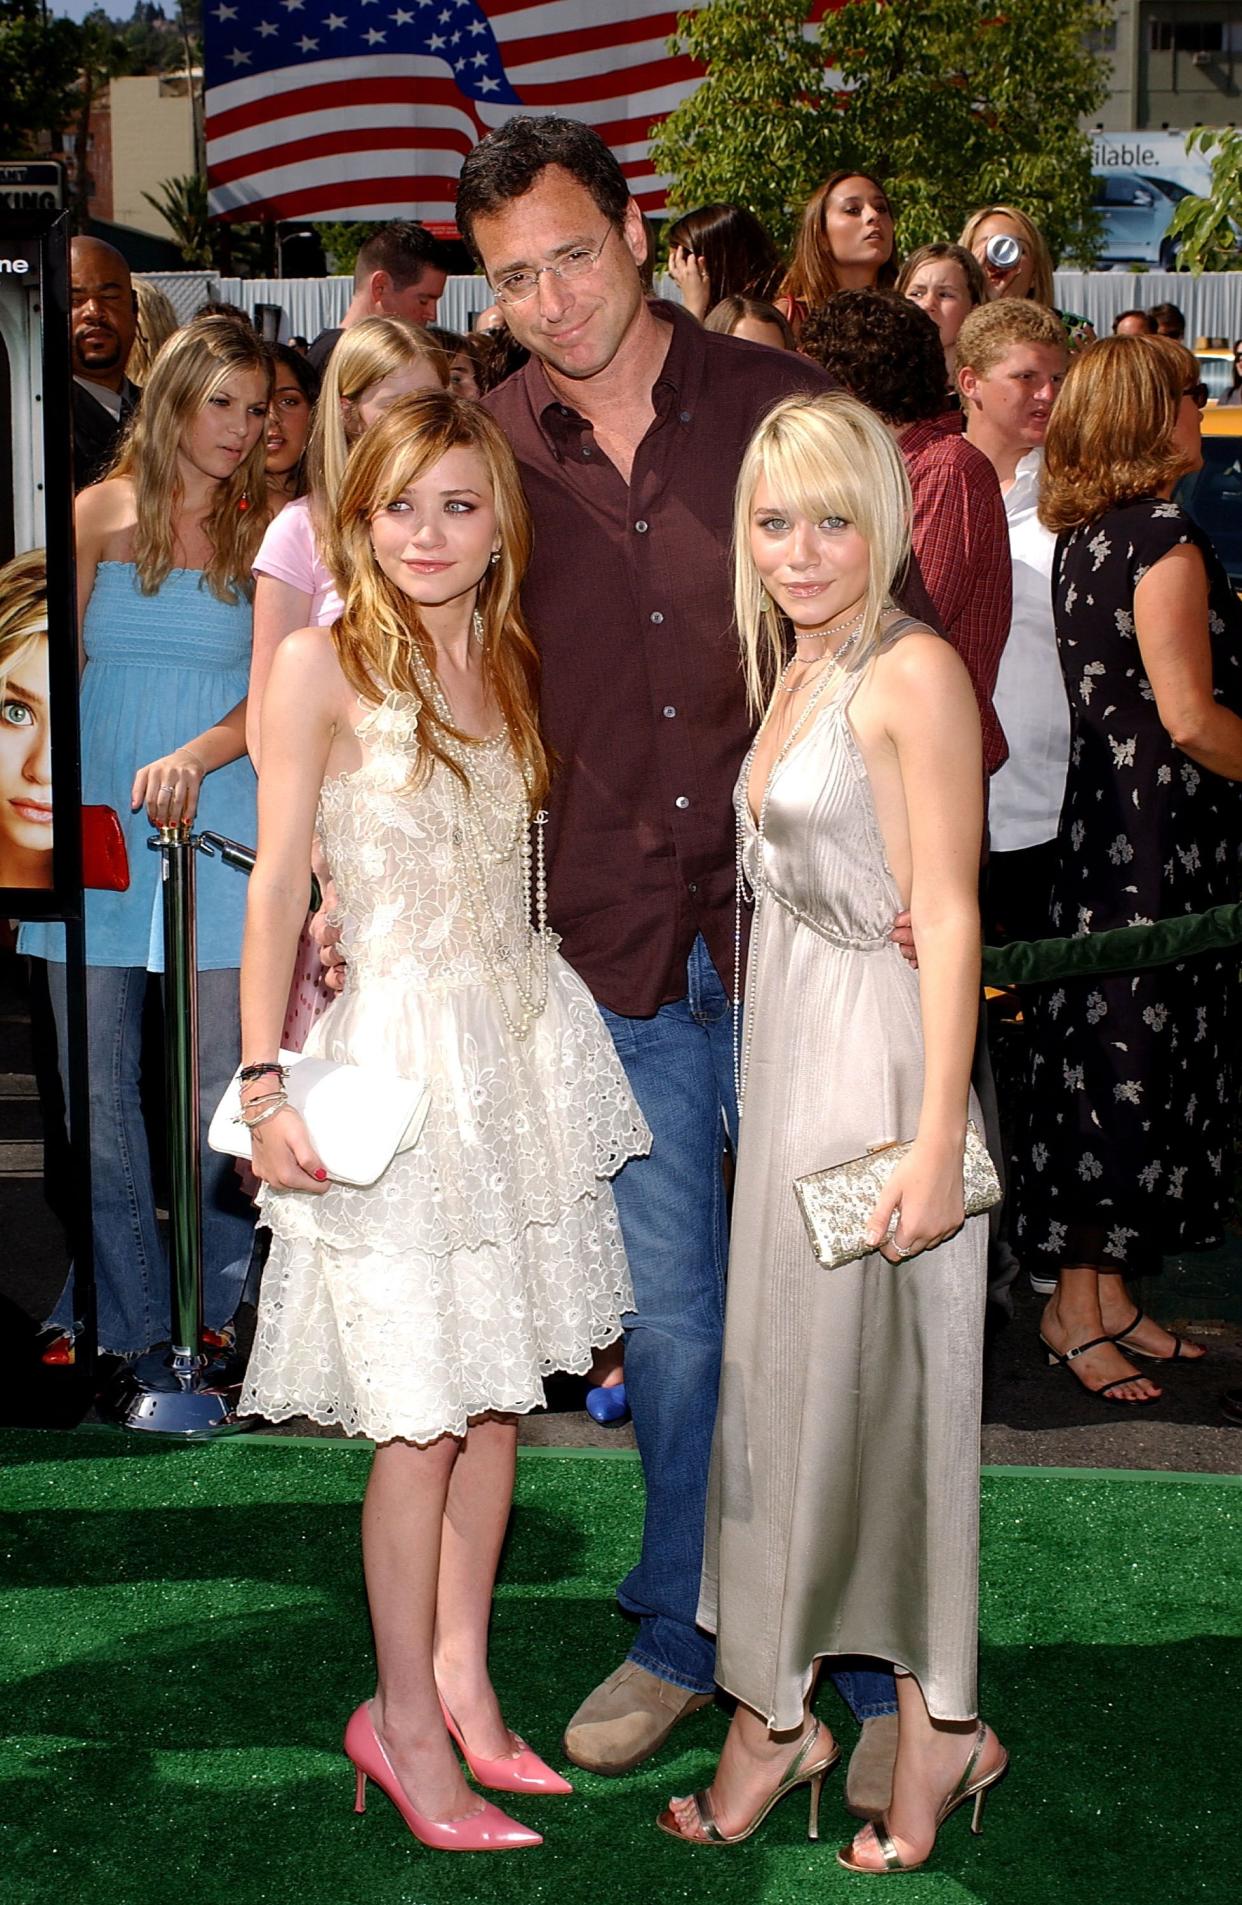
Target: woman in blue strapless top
164,551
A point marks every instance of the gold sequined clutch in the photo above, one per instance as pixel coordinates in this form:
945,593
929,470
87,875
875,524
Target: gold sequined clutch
837,1203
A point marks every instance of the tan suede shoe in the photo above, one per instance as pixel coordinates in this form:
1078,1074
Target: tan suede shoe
627,1719
869,1781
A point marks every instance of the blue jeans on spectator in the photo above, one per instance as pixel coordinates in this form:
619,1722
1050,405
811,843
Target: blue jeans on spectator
131,1267
675,1223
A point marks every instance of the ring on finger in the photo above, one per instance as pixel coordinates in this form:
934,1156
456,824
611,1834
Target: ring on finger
902,1249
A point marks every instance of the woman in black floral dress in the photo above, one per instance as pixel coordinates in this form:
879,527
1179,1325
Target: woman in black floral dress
1127,1151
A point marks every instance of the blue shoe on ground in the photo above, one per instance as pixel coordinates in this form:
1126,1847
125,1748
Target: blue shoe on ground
608,1406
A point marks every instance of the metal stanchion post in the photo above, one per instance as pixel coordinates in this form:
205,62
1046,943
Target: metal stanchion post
178,1392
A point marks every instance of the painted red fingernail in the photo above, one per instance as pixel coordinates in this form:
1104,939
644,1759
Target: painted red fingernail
321,1175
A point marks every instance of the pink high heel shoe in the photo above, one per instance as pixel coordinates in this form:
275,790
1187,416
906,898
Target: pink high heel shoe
518,1772
487,1830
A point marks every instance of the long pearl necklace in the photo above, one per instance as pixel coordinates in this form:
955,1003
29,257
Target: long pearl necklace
482,847
741,1055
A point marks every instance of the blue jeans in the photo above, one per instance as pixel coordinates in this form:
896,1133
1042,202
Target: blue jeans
131,1267
673,1217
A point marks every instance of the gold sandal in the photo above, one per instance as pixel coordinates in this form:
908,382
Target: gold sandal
966,1788
799,1772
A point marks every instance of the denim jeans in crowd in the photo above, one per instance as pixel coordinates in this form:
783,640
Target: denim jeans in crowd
131,1267
673,1217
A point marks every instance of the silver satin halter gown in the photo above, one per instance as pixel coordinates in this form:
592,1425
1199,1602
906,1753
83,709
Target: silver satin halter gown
843,1513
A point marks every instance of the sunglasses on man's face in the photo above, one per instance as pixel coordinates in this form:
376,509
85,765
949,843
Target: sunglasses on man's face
1198,393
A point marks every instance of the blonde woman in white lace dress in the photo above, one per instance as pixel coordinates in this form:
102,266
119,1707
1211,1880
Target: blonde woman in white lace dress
425,1311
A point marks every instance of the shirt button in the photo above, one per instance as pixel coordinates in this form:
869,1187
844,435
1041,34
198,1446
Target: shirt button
693,887
657,618
641,527
586,449
685,416
669,713
681,801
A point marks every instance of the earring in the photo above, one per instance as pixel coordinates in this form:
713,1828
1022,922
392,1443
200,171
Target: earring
495,557
476,627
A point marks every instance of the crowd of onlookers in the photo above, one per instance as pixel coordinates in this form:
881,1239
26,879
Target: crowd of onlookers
858,585
960,352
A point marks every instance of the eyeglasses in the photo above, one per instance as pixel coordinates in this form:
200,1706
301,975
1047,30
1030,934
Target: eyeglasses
1198,393
517,286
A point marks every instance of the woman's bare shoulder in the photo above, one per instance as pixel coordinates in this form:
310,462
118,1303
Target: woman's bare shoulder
308,654
922,678
107,507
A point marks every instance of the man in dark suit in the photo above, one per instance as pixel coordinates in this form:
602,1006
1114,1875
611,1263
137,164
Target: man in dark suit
105,319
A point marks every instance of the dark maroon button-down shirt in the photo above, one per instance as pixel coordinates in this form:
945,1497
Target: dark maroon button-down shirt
629,595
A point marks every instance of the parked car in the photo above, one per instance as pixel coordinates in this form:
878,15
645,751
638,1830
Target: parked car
1135,210
1213,495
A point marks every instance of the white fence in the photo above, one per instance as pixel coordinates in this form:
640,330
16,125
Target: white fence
1212,304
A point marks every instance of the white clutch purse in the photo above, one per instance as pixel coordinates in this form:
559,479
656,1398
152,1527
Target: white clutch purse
358,1118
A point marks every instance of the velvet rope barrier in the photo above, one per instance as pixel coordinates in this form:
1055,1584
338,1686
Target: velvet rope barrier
1162,942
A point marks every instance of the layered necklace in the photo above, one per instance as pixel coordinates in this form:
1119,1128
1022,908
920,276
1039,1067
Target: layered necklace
741,893
832,657
491,828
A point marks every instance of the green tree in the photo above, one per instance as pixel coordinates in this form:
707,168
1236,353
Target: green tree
953,103
343,239
102,54
1207,229
38,75
182,202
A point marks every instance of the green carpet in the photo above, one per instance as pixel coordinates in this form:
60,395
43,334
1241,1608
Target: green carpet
185,1636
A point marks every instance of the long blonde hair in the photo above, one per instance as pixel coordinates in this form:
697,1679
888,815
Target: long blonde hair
363,355
23,608
380,632
1034,240
157,320
823,456
188,371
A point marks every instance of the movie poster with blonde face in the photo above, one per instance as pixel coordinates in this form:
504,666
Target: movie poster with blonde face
33,455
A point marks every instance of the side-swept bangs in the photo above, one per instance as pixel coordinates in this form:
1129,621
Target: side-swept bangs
822,456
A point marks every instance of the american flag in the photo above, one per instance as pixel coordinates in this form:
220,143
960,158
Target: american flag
364,109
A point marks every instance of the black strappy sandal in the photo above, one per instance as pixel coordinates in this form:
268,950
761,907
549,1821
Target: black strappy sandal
1118,1382
1149,1355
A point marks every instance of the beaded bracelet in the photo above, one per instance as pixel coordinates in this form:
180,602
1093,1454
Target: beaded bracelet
249,1072
279,1105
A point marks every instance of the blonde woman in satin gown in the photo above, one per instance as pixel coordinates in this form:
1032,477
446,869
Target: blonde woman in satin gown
844,1508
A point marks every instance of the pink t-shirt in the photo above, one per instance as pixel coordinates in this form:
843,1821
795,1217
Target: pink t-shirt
289,553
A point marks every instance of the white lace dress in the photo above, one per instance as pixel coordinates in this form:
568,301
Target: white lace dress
489,1255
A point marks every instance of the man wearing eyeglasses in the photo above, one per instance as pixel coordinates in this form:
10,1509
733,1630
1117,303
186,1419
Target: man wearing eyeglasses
629,424
105,321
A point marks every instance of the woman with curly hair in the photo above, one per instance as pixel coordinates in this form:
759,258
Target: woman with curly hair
164,548
1125,1157
425,1310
